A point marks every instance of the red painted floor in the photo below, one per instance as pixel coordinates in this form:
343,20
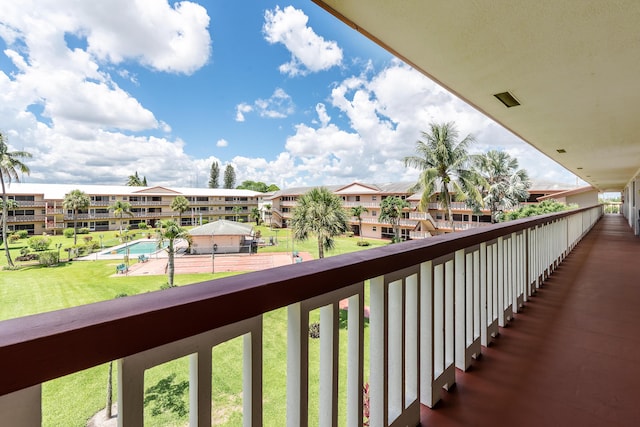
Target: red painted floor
572,357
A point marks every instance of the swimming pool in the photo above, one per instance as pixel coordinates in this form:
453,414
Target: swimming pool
138,248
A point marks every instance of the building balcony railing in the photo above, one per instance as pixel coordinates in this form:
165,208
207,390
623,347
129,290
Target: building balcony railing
444,298
25,218
456,206
30,203
460,225
419,235
375,220
150,203
368,205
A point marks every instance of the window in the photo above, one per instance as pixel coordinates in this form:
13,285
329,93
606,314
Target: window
374,213
357,198
375,228
374,198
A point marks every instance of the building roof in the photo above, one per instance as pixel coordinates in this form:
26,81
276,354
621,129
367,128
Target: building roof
353,188
58,191
567,193
223,227
569,67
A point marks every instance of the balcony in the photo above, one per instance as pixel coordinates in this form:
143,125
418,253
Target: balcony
448,298
368,205
25,218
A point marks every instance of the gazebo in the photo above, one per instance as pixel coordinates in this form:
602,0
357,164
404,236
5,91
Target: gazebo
227,236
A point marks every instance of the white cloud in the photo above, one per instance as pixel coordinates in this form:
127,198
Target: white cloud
61,103
222,143
278,106
241,110
309,51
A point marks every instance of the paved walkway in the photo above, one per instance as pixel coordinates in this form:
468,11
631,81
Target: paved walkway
572,357
185,264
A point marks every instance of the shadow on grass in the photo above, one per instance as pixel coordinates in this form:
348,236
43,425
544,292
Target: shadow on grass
166,396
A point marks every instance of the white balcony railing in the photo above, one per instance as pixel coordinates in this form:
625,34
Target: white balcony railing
443,298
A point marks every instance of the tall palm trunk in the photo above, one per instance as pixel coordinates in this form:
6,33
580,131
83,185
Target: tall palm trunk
109,392
75,227
170,264
320,247
5,215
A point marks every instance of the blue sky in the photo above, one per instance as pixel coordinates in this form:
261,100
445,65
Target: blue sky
284,92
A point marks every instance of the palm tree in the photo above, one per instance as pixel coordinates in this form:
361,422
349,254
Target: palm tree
319,212
357,211
10,165
445,168
171,231
75,201
180,204
236,210
121,208
135,180
505,184
391,212
267,211
255,214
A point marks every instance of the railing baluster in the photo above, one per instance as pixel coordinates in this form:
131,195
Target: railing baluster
22,408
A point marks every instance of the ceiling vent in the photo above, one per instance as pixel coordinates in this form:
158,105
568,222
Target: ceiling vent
507,99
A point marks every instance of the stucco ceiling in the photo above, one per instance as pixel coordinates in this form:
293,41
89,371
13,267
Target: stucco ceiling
574,66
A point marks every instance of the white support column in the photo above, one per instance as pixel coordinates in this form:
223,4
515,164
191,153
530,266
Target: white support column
252,378
395,349
200,389
378,328
329,365
412,350
130,394
355,358
501,283
22,408
297,366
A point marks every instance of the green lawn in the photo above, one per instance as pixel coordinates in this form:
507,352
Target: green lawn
36,289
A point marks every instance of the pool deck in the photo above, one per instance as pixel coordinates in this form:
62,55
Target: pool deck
108,253
187,264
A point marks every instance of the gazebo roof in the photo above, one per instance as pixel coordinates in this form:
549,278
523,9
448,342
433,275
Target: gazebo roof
222,228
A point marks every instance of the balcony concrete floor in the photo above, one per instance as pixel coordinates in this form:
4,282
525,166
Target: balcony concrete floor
572,356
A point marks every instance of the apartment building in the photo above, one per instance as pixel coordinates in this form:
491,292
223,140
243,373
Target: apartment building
40,206
414,224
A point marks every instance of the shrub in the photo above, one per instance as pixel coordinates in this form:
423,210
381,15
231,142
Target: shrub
13,238
143,226
349,234
22,234
87,238
314,330
27,257
363,243
48,258
39,243
68,232
83,230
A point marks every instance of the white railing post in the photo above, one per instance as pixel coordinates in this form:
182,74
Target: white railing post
378,328
297,366
22,408
329,345
355,357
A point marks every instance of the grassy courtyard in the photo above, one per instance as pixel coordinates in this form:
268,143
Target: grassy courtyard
34,289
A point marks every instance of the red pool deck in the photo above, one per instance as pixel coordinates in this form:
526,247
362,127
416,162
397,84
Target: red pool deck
202,263
572,357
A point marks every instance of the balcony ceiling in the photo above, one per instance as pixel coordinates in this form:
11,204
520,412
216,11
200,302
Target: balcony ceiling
574,66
